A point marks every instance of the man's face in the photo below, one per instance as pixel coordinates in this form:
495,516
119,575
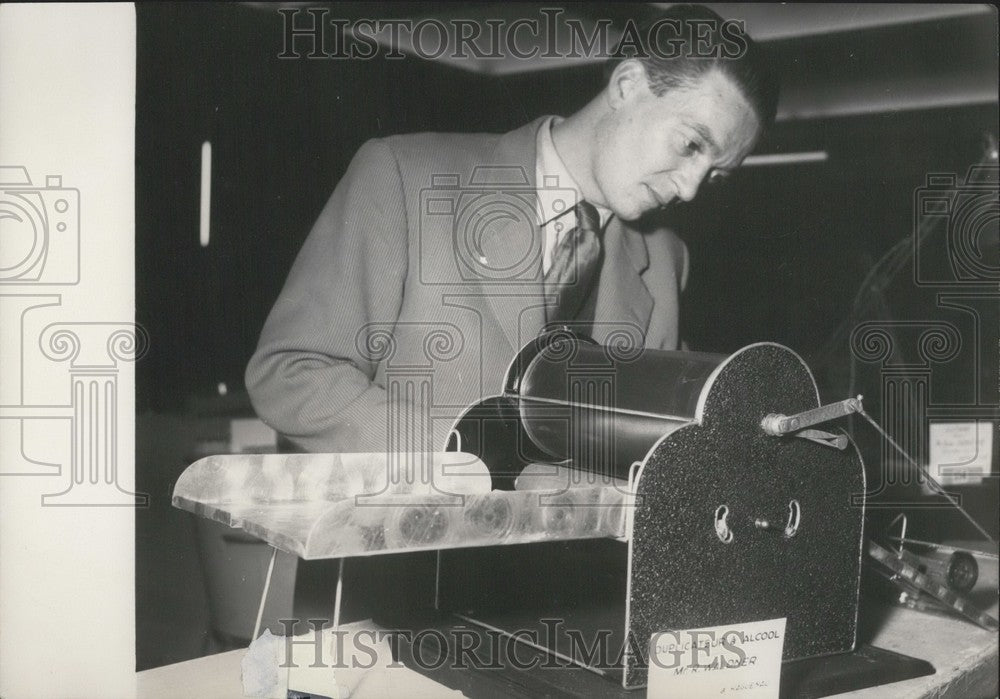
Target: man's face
654,149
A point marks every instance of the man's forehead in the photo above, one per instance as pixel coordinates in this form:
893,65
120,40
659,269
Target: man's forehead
735,141
726,123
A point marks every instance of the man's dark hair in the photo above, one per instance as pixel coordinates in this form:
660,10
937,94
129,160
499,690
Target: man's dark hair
680,45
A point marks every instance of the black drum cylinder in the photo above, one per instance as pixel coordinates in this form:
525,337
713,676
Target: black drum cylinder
603,407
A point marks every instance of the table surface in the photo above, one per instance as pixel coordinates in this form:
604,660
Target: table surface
964,656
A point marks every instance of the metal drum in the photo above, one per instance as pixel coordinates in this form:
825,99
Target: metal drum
603,407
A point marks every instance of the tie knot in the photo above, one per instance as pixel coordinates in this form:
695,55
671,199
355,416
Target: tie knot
587,217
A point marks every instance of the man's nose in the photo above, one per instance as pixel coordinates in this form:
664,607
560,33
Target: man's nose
690,180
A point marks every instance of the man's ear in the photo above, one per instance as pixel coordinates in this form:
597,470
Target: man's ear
628,81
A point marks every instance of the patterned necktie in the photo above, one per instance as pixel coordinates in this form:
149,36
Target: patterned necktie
575,261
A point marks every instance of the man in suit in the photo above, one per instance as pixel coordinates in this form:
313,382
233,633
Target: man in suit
435,259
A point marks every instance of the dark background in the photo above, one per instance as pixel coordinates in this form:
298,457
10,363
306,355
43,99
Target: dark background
778,254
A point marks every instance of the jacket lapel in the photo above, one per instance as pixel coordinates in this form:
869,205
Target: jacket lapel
622,297
511,241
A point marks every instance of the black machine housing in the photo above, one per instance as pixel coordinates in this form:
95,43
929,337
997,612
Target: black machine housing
727,524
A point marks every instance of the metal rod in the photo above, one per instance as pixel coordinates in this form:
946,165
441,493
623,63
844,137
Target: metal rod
777,424
337,595
263,597
902,529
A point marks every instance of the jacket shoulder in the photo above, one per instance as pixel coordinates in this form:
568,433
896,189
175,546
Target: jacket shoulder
437,146
666,247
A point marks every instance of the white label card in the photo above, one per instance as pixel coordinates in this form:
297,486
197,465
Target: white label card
961,452
736,660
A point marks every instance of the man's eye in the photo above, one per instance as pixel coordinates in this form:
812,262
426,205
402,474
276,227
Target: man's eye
693,146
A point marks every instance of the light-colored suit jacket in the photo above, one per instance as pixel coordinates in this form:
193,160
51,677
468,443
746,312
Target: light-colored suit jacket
418,284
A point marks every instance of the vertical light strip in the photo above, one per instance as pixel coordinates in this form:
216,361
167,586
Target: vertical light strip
206,193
